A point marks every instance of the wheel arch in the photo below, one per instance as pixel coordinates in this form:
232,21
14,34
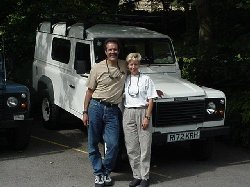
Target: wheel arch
45,83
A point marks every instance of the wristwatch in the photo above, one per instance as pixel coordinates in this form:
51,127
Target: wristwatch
148,117
85,112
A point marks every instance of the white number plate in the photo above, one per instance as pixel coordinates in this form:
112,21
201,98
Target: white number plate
182,136
19,117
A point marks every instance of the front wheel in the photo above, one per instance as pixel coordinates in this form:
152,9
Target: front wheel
50,112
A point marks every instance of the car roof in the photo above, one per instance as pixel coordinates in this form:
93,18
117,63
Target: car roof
121,31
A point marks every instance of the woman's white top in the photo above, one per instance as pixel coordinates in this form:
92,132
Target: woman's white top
138,89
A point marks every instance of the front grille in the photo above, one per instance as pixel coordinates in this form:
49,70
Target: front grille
178,113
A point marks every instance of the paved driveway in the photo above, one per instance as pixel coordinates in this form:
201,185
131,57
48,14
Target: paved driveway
60,159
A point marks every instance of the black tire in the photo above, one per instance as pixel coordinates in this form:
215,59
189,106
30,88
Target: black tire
50,112
202,149
19,137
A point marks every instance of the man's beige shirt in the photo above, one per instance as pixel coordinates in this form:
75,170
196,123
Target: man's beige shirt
106,88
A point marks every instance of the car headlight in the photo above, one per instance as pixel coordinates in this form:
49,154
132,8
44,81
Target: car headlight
215,109
12,102
211,107
23,95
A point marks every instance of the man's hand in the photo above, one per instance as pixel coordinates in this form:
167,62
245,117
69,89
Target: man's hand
88,96
85,119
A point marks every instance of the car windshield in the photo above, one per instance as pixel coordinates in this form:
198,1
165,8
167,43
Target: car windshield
153,51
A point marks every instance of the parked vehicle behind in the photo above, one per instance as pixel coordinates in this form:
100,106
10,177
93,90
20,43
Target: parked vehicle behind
15,121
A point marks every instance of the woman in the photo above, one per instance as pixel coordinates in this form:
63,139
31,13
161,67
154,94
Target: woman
139,94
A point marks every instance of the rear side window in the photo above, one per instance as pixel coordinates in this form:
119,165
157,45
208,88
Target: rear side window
61,50
83,54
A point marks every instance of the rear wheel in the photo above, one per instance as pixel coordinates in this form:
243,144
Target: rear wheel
50,112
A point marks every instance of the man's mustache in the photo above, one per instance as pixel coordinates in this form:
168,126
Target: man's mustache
114,54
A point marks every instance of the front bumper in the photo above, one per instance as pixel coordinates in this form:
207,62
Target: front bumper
207,132
6,124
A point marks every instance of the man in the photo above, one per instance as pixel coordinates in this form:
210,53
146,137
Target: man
105,89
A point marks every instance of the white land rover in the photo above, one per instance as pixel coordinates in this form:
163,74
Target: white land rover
65,54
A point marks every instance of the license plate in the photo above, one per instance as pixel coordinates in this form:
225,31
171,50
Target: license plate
19,117
182,136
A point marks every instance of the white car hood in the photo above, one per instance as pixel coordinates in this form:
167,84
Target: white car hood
173,87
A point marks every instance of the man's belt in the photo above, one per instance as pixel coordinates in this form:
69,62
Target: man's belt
107,104
139,107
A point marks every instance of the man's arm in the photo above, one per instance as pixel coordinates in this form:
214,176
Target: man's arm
87,99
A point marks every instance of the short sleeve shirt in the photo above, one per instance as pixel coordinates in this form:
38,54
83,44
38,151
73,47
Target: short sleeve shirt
138,89
108,82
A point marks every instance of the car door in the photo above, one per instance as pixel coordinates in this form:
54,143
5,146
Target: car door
77,82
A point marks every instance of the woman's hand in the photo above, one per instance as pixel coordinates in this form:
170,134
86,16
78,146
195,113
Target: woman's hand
145,123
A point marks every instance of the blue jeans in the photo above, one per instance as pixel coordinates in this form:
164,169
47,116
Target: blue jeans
103,125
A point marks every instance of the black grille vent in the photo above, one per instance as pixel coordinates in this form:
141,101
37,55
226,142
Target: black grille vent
178,113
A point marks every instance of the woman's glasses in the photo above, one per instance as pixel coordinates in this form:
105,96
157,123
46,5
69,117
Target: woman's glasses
133,94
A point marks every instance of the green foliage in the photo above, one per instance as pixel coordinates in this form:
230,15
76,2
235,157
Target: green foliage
231,24
240,103
189,68
238,117
21,18
232,76
227,68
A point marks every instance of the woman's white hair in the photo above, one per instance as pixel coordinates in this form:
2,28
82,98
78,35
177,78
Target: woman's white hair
133,56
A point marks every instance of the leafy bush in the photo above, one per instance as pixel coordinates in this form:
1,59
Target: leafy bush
232,76
238,117
188,68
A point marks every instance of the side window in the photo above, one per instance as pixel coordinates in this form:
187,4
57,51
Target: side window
61,50
82,55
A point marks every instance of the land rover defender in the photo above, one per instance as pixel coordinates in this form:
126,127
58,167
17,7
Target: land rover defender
64,55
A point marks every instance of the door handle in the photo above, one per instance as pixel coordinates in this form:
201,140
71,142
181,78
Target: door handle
71,86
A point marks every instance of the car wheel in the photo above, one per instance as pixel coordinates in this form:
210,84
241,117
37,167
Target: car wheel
50,112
